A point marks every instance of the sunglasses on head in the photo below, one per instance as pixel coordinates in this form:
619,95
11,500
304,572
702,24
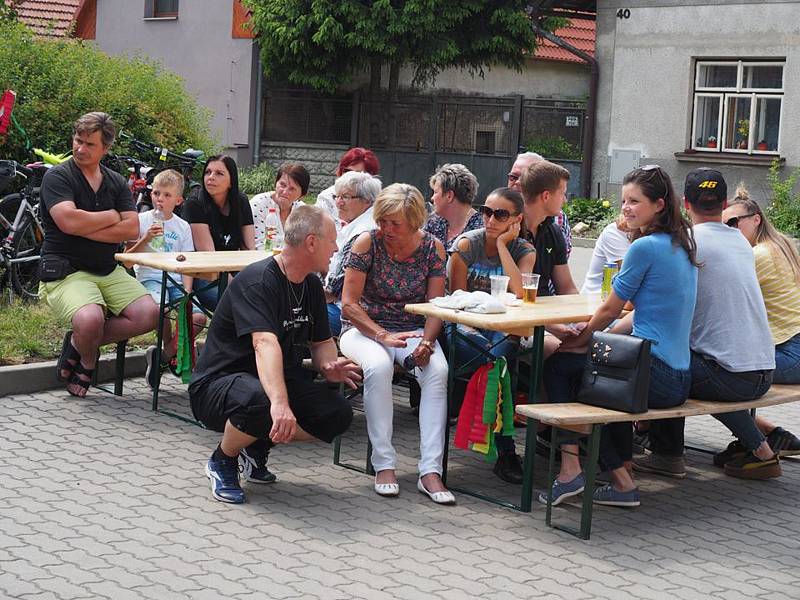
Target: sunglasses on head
500,214
657,169
734,221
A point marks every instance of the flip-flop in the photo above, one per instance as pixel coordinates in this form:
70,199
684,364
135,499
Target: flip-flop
68,352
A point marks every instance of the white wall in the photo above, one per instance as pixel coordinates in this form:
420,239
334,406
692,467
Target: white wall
646,76
197,46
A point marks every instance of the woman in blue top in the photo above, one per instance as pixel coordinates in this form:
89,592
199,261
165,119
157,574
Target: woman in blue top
659,277
495,249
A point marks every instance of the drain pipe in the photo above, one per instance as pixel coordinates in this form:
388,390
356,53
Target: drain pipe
591,105
259,100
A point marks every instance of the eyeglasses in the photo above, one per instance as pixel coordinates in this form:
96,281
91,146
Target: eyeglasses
657,169
500,214
512,178
734,221
344,197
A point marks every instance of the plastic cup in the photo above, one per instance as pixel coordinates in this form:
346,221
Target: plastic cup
499,284
530,287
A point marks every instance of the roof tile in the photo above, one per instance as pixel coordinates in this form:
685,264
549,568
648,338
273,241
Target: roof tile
580,33
52,18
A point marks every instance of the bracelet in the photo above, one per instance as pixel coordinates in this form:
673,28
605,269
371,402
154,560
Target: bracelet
427,344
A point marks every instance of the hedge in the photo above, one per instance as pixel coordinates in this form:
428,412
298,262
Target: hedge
56,81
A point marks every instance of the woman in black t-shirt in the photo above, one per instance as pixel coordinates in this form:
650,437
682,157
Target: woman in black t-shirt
219,215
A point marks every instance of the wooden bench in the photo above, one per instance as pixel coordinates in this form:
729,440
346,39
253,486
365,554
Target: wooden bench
590,419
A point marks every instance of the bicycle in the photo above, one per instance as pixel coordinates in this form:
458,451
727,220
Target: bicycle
142,175
21,232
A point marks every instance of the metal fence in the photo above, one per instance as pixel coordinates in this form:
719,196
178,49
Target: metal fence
415,134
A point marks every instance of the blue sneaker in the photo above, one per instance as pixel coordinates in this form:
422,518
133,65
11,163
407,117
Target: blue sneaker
565,489
224,476
609,496
253,463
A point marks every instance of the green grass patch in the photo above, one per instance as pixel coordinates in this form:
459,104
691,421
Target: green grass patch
29,333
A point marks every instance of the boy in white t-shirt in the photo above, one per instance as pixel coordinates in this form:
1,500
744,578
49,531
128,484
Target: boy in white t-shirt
177,237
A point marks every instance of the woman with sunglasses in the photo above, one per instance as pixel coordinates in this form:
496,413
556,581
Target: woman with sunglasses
659,276
495,249
778,271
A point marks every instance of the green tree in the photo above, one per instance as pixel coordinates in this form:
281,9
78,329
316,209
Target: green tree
58,80
322,43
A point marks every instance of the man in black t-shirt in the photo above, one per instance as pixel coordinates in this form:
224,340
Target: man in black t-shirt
544,188
87,210
248,382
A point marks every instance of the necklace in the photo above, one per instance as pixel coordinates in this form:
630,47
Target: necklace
297,307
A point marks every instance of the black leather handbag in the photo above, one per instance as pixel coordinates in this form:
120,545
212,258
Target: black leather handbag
617,373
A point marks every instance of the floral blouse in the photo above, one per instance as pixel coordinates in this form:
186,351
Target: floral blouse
392,284
439,227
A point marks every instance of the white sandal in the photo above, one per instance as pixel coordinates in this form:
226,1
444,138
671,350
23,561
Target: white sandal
445,497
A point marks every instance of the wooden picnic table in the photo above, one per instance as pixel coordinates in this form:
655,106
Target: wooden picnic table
523,320
194,264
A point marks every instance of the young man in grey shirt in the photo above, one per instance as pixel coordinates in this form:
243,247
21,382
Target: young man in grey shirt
732,351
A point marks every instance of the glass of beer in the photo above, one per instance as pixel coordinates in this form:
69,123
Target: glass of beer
530,285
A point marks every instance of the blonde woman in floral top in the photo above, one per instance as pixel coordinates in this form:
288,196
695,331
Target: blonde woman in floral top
388,268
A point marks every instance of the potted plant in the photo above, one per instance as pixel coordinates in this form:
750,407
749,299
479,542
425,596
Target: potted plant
762,145
712,142
743,131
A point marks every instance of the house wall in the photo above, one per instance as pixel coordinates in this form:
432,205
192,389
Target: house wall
647,76
539,79
198,46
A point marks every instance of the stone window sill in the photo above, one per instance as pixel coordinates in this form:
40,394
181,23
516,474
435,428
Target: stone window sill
729,158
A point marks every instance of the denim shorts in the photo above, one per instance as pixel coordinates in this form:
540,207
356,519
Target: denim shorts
787,361
153,287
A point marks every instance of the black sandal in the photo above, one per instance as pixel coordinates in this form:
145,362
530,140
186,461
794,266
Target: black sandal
75,379
68,352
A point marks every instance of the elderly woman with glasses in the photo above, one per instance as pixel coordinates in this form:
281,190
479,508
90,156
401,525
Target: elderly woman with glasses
387,268
454,189
495,249
355,193
361,160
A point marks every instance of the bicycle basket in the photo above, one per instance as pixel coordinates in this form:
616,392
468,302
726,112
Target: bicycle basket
8,172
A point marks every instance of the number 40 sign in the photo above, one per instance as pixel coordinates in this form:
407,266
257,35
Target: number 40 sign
624,13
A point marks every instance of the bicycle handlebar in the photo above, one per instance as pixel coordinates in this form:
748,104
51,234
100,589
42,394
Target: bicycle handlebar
160,151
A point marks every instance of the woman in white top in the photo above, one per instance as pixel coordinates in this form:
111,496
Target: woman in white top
611,246
360,160
291,186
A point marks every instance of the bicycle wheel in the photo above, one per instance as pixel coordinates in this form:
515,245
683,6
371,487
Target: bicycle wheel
27,244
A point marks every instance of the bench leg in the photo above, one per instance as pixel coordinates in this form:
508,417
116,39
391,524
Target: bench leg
119,374
551,476
527,465
588,490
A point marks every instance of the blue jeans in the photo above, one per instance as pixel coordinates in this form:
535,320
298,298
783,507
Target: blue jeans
335,318
668,388
468,354
207,292
787,361
712,382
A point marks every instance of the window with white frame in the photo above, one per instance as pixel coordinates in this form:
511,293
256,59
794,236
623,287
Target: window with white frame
737,106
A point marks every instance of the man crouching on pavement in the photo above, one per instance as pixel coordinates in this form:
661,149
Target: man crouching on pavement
248,383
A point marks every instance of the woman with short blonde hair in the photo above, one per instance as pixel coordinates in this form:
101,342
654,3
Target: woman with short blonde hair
387,268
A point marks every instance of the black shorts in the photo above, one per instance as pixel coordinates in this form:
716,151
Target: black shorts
240,398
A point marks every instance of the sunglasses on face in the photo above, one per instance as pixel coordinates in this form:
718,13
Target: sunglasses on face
734,221
512,178
500,214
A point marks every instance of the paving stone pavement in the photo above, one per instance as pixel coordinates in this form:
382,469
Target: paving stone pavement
102,498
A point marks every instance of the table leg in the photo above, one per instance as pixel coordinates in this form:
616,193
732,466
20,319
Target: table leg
159,337
451,382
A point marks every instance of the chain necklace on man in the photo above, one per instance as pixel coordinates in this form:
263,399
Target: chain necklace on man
297,308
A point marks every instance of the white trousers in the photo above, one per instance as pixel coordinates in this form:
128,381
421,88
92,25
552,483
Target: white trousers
377,363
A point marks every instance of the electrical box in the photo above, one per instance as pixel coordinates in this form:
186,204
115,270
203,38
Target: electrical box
622,162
